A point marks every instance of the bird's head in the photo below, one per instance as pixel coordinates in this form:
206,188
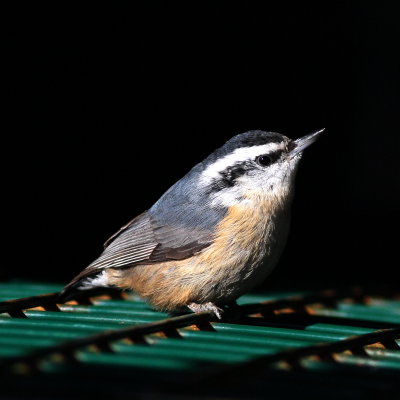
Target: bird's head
252,163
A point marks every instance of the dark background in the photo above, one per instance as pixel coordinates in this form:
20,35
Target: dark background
110,105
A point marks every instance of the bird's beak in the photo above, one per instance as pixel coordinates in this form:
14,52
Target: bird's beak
305,141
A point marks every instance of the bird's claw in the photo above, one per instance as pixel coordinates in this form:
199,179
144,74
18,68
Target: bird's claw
195,307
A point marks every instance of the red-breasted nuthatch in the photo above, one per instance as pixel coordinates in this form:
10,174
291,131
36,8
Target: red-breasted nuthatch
214,235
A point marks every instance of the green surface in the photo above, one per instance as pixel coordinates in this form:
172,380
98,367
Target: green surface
196,351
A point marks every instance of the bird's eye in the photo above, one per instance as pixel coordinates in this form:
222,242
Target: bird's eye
264,160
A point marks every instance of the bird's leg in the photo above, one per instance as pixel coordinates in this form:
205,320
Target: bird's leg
195,307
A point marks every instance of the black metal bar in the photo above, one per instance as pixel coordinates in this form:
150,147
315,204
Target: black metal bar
50,300
136,333
17,314
325,297
351,343
293,357
28,302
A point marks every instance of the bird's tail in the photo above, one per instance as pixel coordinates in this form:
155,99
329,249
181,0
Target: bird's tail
85,281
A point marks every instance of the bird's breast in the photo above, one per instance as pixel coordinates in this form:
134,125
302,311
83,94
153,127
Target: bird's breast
247,245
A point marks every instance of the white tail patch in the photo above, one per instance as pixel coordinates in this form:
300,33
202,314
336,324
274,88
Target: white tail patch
99,280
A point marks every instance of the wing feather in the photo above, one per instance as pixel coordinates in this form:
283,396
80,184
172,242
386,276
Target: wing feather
145,241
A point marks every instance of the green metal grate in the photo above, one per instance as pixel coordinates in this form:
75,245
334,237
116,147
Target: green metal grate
334,342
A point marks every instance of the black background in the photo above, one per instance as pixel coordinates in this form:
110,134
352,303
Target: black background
110,105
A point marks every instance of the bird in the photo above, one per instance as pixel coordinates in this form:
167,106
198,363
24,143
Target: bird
212,236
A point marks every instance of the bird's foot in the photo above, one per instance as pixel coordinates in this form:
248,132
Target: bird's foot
195,307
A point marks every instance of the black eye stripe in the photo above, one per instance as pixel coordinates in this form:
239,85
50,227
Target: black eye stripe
232,173
228,177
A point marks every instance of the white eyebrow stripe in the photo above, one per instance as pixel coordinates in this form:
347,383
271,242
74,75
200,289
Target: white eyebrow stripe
238,155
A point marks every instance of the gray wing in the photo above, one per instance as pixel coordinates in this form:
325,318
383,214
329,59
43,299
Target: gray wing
181,223
144,240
